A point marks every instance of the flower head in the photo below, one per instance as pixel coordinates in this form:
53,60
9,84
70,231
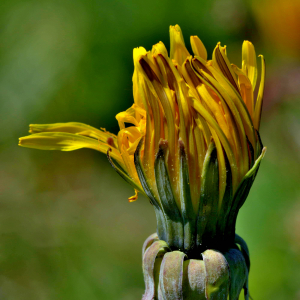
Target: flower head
192,146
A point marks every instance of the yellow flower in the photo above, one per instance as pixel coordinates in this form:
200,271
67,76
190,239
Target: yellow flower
193,131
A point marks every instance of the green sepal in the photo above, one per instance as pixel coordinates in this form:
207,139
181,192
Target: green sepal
242,192
254,169
156,250
209,198
174,234
225,209
245,251
259,144
246,184
160,218
122,173
238,272
187,211
217,275
171,275
194,279
250,153
246,290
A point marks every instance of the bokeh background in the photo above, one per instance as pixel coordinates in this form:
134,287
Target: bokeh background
67,230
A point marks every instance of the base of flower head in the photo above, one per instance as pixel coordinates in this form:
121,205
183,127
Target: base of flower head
209,225
171,275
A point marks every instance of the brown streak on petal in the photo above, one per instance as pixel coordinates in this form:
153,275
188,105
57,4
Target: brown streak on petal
149,72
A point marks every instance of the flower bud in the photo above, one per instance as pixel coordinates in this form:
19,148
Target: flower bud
191,144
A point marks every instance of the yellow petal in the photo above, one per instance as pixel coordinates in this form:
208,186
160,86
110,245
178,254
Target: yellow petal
160,48
246,89
165,97
73,127
258,104
221,62
138,53
239,103
190,76
65,142
155,117
193,167
125,117
201,148
178,50
149,155
249,65
136,91
241,142
222,167
214,125
214,106
198,47
202,125
129,163
199,64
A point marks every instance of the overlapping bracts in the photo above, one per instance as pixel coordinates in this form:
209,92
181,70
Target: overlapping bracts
172,275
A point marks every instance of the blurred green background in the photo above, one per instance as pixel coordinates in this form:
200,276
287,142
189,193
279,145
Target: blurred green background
67,230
